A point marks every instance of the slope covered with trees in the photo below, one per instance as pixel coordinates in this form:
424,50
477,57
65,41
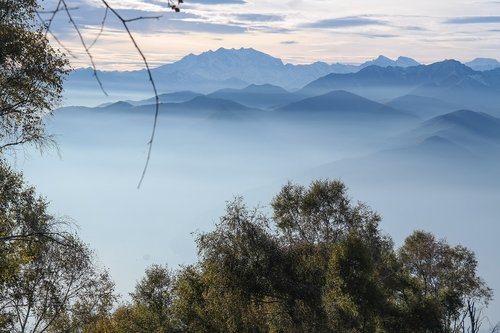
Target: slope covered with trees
319,264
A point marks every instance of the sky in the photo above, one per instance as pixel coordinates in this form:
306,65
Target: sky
296,31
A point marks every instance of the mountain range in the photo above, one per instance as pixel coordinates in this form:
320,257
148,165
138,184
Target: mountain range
430,102
448,82
234,69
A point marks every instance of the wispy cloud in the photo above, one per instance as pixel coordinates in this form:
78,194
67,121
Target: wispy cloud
377,35
207,27
269,29
259,17
217,2
344,22
157,6
414,28
473,20
297,30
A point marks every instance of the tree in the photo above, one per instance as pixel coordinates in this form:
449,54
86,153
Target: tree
150,310
235,286
283,274
445,276
154,295
319,264
354,296
90,311
48,279
23,220
31,76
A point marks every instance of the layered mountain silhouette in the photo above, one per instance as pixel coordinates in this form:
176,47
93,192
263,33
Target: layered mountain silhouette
460,147
175,97
422,106
475,131
198,107
346,106
223,68
483,64
383,61
378,77
449,81
260,96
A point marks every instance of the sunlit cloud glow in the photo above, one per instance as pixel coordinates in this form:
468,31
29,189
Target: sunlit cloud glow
296,31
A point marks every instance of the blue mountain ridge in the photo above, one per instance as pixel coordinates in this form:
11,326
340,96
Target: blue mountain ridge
223,68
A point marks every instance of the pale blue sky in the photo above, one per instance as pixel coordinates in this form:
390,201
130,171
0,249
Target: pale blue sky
297,31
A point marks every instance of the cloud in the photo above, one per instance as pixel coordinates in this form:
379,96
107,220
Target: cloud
196,26
259,17
414,28
344,22
289,42
473,20
270,30
218,2
377,35
128,4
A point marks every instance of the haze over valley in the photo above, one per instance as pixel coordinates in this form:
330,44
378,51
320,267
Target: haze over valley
418,143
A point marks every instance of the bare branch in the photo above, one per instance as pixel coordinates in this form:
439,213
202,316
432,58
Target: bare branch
142,18
173,4
157,99
91,58
102,28
47,24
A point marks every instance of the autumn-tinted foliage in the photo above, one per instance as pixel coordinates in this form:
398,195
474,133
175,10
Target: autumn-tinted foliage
319,264
31,75
49,281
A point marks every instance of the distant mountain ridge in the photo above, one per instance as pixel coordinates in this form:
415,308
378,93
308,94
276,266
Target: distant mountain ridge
483,64
347,107
477,124
223,68
383,61
258,80
449,81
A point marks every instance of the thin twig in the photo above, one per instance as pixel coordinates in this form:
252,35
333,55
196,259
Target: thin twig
47,24
102,28
173,4
84,46
142,18
157,99
49,21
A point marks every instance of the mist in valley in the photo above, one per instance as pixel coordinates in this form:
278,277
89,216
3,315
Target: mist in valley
417,171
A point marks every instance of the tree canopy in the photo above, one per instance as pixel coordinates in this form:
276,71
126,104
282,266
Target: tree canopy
319,263
31,75
49,281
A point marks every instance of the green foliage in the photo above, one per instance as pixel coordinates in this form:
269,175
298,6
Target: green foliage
320,264
318,214
31,74
153,298
354,293
442,278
